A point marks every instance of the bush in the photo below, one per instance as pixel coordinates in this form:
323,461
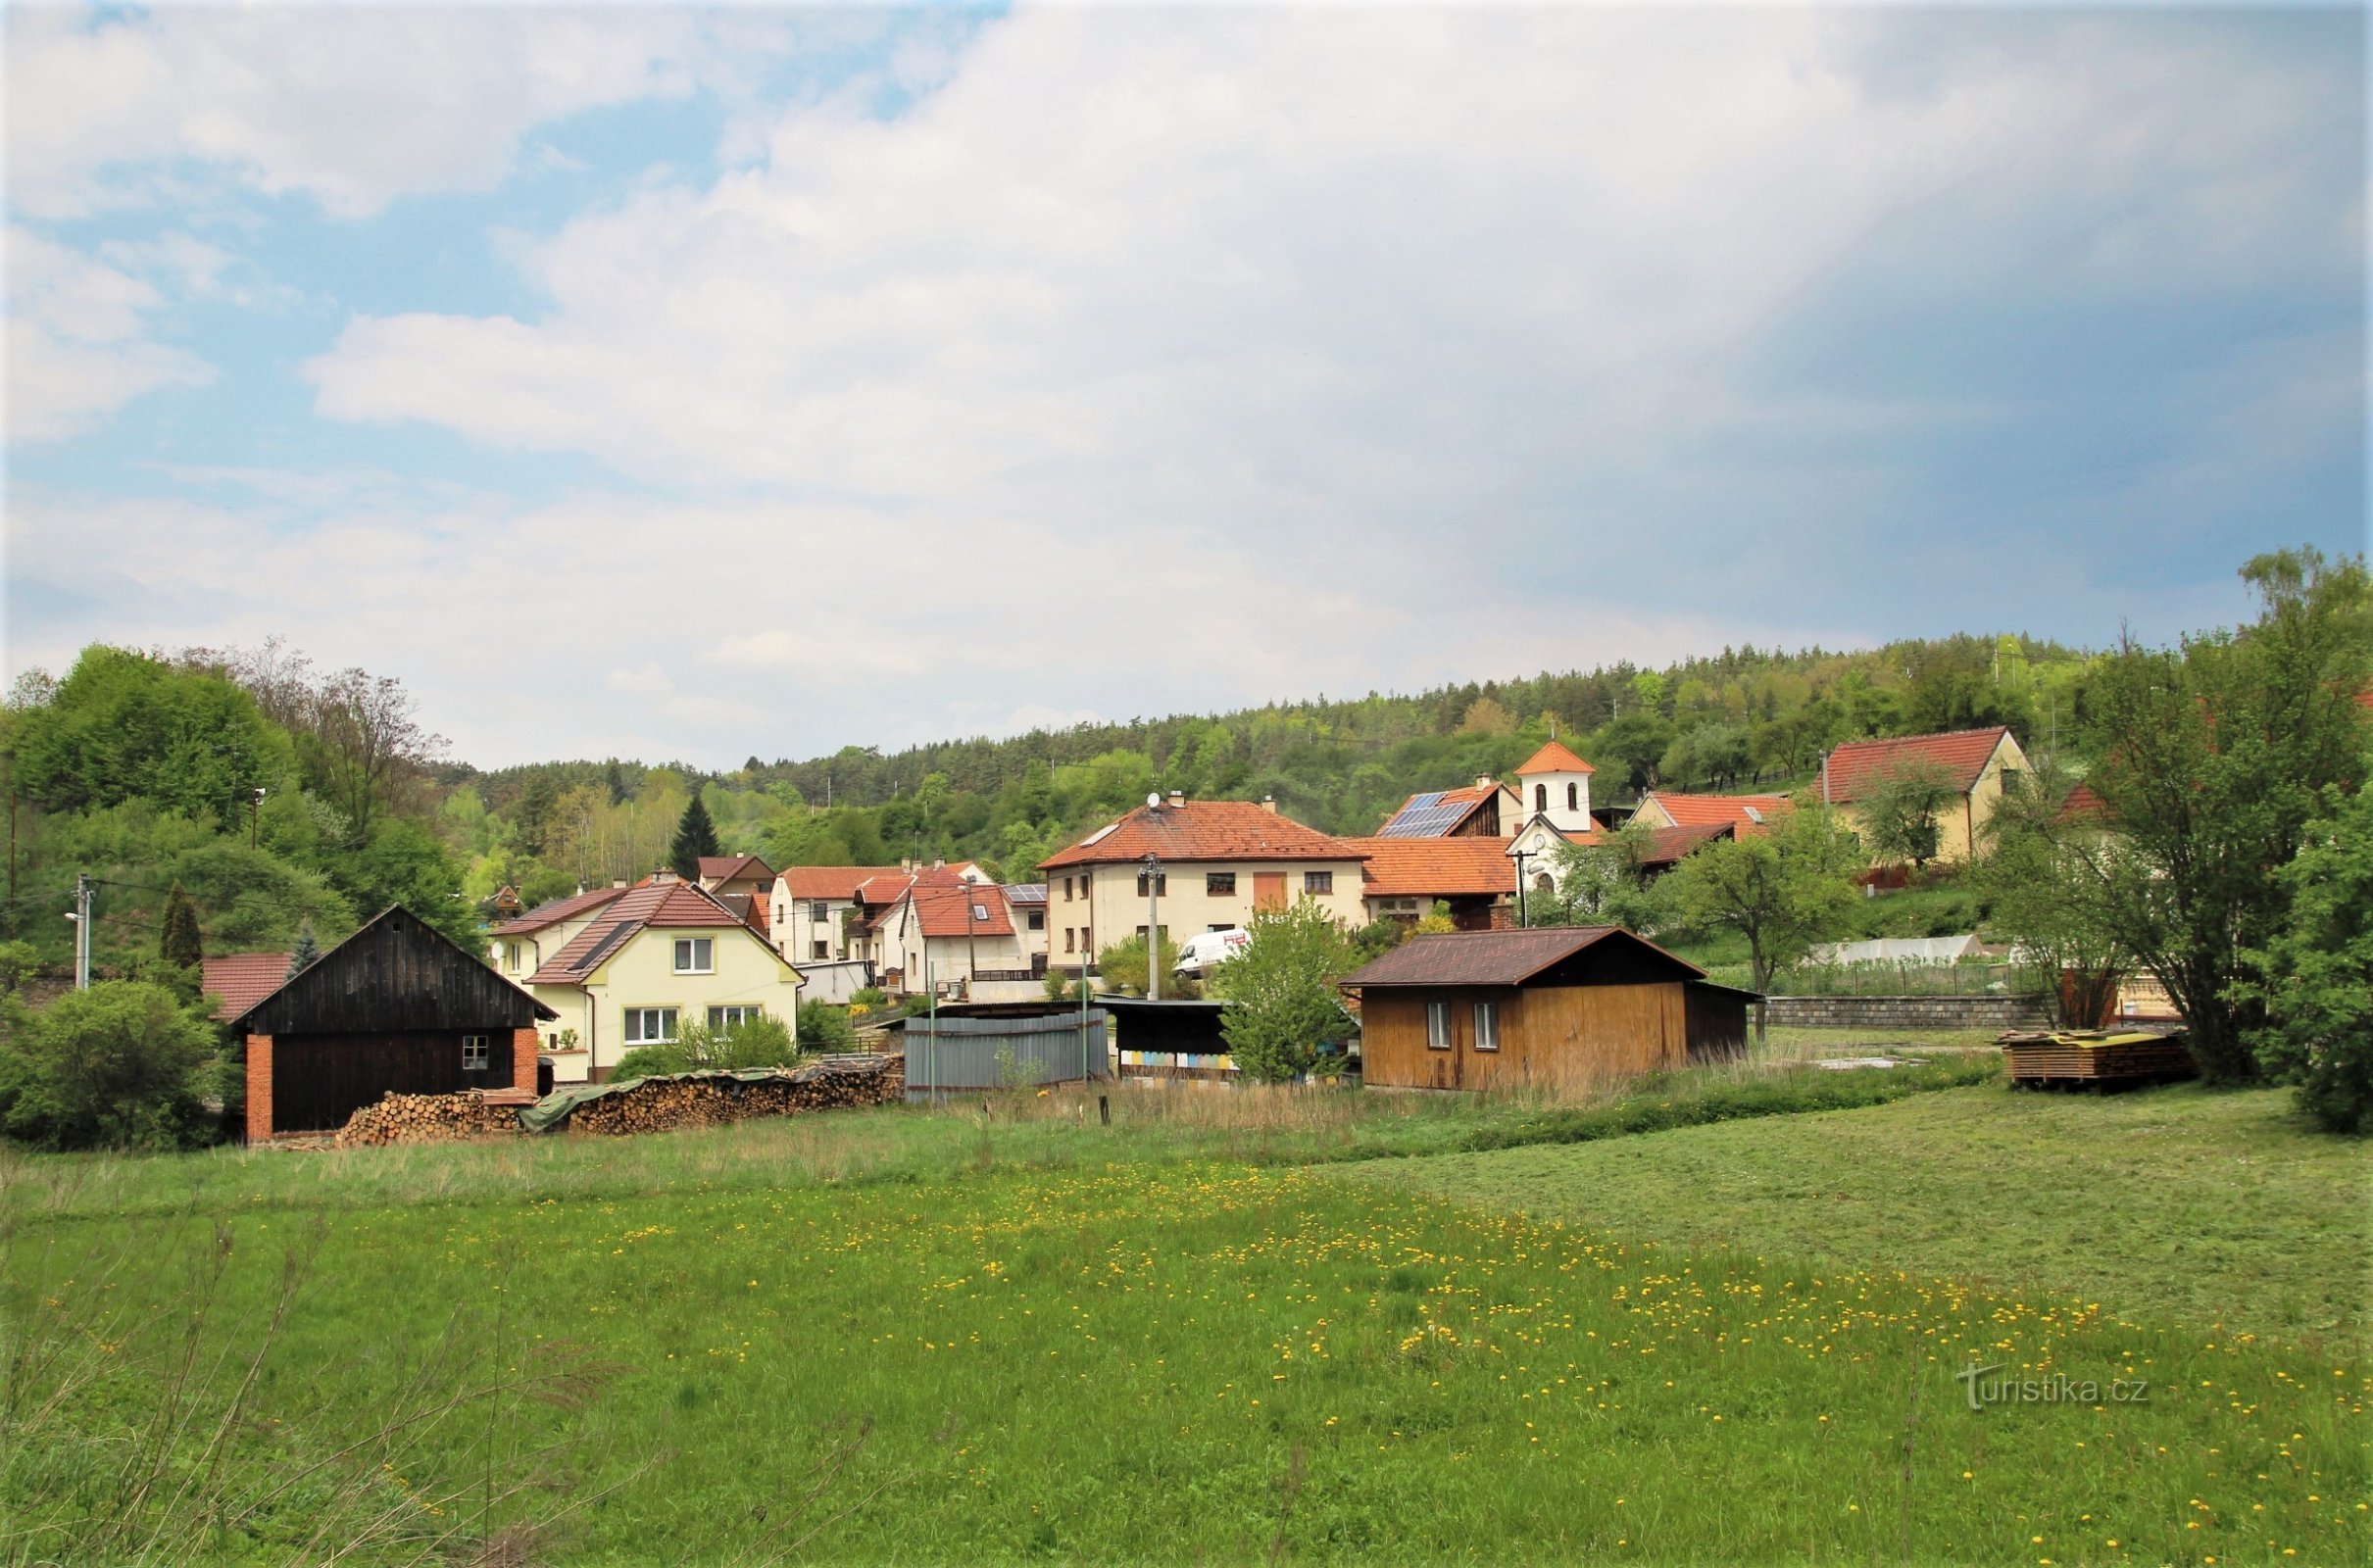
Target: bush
762,1042
652,1062
874,997
19,962
2315,978
824,1027
116,1066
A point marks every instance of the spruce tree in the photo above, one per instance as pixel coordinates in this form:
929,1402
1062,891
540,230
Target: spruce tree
695,836
181,943
306,952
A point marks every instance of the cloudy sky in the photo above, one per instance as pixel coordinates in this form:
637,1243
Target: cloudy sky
701,383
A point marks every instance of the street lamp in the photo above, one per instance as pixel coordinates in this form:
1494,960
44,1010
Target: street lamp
1523,913
1153,927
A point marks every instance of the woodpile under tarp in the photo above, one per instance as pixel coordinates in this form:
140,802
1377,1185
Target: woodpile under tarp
679,1100
395,1118
2095,1059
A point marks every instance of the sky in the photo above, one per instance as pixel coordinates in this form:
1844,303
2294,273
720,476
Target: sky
713,383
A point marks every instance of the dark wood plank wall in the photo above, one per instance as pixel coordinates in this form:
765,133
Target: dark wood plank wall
1550,1037
318,1081
395,974
1717,1024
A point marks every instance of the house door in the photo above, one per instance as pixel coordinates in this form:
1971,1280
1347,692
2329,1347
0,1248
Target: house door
1268,890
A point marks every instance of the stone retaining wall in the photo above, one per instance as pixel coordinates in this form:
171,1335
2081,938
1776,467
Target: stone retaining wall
1911,1012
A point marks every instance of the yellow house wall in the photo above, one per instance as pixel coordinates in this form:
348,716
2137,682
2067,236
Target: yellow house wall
1962,824
746,972
1114,910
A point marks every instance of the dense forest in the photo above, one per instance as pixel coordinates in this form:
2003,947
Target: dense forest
284,798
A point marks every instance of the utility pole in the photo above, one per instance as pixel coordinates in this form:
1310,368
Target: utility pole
82,919
1153,928
1523,913
255,809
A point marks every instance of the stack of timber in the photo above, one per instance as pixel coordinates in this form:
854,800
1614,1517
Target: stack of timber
395,1118
2095,1059
680,1101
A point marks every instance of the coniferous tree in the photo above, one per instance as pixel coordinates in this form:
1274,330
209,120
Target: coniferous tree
181,943
305,954
695,836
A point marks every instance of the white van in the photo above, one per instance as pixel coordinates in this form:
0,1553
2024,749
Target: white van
1199,954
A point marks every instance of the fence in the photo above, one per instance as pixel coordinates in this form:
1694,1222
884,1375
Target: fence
950,1056
1910,977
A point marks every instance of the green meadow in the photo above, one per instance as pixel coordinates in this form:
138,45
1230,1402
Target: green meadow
1212,1332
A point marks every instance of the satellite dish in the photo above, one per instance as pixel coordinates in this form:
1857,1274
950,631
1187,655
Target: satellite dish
1154,799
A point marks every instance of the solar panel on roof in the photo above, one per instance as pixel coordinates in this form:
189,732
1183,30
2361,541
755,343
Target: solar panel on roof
601,950
1425,816
1097,837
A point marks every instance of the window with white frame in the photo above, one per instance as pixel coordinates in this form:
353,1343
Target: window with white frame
473,1053
733,1017
819,912
511,955
695,955
1487,1026
1438,1025
650,1026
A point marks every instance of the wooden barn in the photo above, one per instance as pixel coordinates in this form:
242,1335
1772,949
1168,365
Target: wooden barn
1481,1010
394,1007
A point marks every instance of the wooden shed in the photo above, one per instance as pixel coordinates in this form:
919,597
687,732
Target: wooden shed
1479,1009
394,1007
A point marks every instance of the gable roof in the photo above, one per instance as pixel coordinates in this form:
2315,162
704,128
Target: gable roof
1539,820
726,867
397,973
1428,868
1669,845
241,980
828,881
1202,830
955,911
557,911
1438,813
1555,758
1747,812
1857,767
1499,958
668,906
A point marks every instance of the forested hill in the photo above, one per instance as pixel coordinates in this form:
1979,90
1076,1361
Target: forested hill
282,799
1743,716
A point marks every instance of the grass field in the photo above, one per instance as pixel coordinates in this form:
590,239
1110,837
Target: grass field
1113,1345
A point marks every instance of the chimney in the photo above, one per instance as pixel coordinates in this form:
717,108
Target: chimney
939,862
663,875
618,881
1483,781
1268,804
1177,798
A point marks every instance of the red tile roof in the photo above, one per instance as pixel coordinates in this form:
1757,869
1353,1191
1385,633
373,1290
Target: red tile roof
1670,844
664,905
1555,758
949,912
1854,770
726,867
1471,797
2082,806
1441,868
829,881
546,915
1699,810
1495,958
241,980
1203,830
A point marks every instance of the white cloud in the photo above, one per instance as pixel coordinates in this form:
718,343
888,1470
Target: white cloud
352,105
78,341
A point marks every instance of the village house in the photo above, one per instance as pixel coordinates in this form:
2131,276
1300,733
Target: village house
395,1009
1404,878
1561,1007
663,952
237,981
1484,809
519,947
1746,813
809,908
1976,764
743,884
960,937
1216,861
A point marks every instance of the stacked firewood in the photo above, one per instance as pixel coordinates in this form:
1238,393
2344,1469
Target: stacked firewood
709,1100
429,1119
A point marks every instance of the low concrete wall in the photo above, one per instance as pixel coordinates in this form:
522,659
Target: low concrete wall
1911,1012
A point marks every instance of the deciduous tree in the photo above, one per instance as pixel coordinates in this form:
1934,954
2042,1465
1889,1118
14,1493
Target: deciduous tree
2314,978
1285,1010
1781,890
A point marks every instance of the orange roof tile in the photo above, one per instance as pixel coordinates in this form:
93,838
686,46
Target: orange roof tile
1668,845
726,867
1555,758
667,905
1203,830
955,911
1855,769
241,980
1442,868
829,881
1470,797
1696,810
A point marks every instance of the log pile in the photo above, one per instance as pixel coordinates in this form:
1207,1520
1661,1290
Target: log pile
2095,1058
709,1100
432,1118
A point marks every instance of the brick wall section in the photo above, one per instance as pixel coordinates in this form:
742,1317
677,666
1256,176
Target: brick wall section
1911,1012
523,1043
259,1089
